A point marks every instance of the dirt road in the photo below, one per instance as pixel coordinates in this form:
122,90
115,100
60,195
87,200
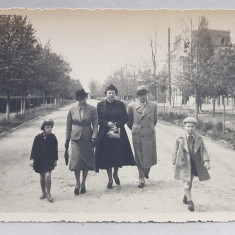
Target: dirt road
20,189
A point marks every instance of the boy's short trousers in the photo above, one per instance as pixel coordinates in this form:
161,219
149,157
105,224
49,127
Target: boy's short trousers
193,167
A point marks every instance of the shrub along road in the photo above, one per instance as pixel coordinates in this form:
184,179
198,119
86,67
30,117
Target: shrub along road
20,188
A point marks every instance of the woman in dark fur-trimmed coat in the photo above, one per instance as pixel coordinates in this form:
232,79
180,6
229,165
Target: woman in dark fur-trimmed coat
112,152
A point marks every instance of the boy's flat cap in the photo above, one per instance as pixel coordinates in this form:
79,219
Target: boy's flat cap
190,120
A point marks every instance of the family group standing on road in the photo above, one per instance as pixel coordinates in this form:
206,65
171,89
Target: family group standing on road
112,146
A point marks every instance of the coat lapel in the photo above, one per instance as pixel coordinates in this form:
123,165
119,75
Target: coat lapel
138,109
198,142
76,111
104,109
85,112
185,142
148,109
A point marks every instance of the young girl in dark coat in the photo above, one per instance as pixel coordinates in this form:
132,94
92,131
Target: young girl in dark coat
44,156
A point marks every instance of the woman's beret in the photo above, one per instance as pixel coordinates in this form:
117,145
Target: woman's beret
46,122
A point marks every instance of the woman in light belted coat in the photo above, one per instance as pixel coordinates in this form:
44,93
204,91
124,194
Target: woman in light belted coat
142,121
82,129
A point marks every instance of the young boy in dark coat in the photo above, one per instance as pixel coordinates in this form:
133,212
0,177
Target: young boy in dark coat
44,156
190,159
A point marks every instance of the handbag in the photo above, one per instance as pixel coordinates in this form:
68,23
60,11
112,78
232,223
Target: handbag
66,156
114,133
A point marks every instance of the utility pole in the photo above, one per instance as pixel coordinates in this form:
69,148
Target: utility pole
194,79
127,81
169,64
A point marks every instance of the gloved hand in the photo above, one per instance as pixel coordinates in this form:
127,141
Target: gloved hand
31,162
66,145
93,142
207,165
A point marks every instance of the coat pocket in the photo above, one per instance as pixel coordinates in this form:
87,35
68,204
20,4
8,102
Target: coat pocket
76,132
180,160
135,131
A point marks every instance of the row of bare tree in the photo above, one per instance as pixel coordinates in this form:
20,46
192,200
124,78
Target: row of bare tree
128,77
28,68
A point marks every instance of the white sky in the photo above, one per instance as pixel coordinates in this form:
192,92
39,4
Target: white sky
97,42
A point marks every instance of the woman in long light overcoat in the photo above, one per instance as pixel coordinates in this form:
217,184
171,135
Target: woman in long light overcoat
142,122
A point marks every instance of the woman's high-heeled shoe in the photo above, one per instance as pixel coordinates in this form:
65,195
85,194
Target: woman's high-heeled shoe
185,200
50,198
116,179
83,190
76,191
43,196
110,186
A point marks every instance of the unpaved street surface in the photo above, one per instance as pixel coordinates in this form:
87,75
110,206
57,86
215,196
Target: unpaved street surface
20,188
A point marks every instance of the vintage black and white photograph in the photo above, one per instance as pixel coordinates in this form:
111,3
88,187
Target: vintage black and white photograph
117,115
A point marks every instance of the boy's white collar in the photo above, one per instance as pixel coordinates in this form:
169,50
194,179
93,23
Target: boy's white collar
187,135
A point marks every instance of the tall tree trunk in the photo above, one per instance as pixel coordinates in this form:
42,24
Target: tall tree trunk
46,101
213,104
200,107
223,115
155,92
8,100
233,102
22,105
196,101
43,98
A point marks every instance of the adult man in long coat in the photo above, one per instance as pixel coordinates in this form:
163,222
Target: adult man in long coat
142,122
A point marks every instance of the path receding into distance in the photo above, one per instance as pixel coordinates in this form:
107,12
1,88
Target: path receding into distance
20,188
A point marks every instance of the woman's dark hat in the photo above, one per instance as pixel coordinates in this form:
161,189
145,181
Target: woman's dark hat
111,87
80,93
46,122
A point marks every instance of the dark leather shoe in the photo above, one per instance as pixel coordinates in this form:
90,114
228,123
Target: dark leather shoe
140,185
185,200
83,190
190,206
76,191
116,179
110,186
50,198
146,175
